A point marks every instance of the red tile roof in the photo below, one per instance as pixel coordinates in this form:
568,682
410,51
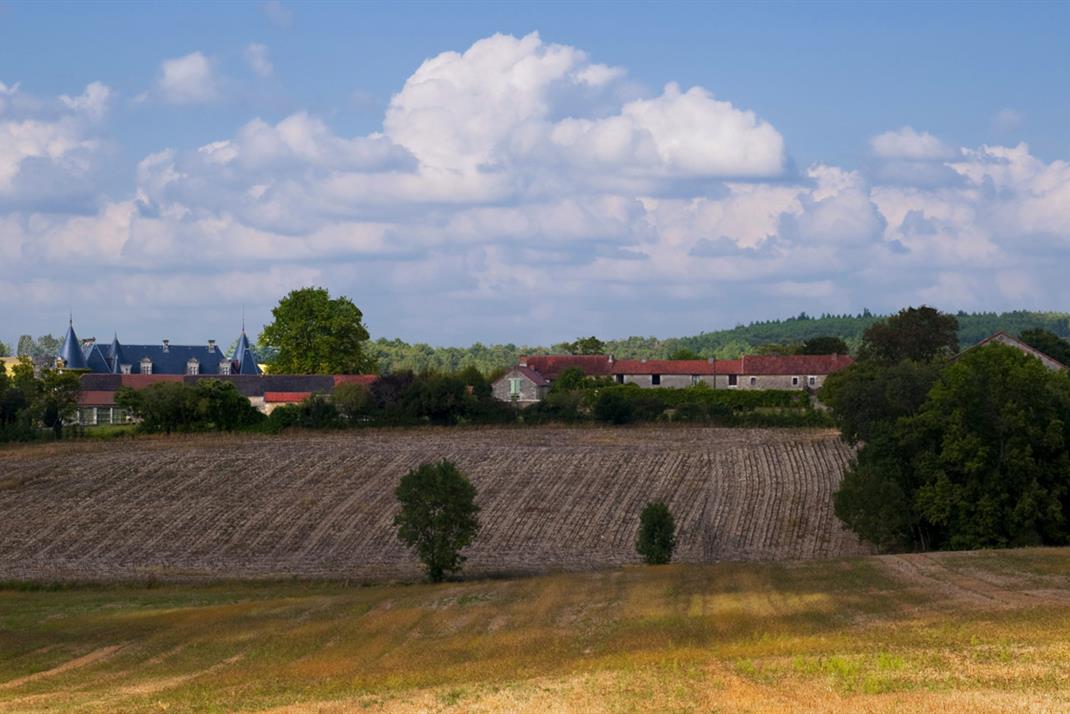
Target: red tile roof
749,364
663,366
553,365
363,379
140,381
96,399
286,397
794,364
728,366
534,375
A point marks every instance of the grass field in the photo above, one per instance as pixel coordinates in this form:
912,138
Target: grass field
322,505
968,632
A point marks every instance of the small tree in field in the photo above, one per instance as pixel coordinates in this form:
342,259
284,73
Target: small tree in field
657,534
438,516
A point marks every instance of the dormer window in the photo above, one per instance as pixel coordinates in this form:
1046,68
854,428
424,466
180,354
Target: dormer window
193,367
224,367
124,368
146,366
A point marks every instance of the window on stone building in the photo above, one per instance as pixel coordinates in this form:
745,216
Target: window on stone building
695,379
224,367
655,379
753,381
146,366
733,380
514,386
193,367
811,380
795,381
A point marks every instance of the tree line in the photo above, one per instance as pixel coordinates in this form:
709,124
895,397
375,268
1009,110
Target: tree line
30,401
314,333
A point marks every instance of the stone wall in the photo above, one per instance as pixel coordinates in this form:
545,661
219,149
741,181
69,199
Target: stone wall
529,391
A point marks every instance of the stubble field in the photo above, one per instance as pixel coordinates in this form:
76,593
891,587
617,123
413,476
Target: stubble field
321,506
956,633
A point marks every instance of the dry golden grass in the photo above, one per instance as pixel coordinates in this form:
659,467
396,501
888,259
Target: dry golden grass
879,634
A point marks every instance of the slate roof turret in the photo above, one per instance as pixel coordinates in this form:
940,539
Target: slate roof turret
243,357
115,356
71,351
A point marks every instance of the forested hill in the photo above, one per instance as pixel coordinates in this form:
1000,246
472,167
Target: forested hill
742,339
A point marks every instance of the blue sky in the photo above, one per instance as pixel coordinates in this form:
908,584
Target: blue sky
629,169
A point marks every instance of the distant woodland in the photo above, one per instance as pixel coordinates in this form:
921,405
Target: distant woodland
393,355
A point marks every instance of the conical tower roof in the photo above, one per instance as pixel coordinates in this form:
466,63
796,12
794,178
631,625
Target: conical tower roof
244,357
71,352
115,355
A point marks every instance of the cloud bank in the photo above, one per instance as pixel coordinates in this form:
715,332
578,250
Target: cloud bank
519,191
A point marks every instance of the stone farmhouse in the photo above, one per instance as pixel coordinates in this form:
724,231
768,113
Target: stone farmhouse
530,380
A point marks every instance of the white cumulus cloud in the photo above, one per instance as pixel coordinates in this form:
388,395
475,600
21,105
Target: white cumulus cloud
906,143
188,80
520,190
93,101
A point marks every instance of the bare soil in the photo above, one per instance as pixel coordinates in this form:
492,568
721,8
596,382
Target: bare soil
322,505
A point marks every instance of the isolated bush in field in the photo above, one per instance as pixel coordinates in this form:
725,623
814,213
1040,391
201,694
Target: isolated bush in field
657,534
351,400
438,516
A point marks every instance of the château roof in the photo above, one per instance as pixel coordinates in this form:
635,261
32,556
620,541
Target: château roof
115,356
71,350
95,360
244,357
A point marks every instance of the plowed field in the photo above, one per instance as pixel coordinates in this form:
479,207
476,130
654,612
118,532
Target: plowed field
322,505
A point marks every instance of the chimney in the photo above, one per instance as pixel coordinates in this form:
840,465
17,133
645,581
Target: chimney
611,360
166,345
710,360
211,346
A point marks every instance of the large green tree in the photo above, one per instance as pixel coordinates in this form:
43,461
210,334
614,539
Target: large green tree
438,516
1047,342
868,398
914,333
587,346
5,351
824,345
57,399
991,451
982,462
315,334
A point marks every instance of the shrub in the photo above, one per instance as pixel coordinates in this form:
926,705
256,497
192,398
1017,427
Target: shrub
352,401
657,534
567,407
438,516
614,407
